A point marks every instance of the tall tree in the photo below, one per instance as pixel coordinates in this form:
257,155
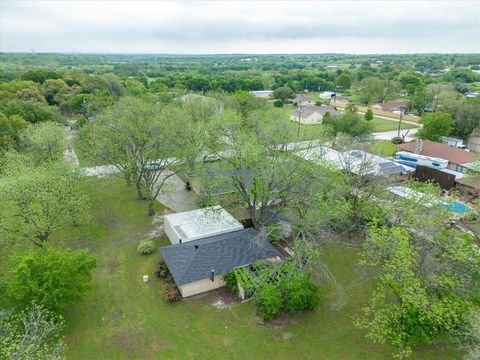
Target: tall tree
54,279
43,142
40,199
436,125
344,81
33,334
142,141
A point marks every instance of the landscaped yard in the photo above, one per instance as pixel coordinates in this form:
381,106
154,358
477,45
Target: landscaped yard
123,318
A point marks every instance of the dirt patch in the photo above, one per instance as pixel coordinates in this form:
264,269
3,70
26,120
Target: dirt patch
287,336
219,298
158,225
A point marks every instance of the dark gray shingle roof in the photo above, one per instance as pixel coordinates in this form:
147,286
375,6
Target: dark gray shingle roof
309,110
221,253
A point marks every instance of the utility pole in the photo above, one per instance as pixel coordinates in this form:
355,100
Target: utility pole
400,121
299,118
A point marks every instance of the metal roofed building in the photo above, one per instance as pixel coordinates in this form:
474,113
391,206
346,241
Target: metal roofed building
198,266
197,224
355,161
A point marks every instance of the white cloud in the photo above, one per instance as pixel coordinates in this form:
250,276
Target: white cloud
240,27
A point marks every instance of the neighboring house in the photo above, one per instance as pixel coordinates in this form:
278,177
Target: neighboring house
472,94
456,157
379,62
473,143
264,94
393,107
326,95
331,67
200,223
312,114
339,100
302,100
198,266
355,161
192,96
451,141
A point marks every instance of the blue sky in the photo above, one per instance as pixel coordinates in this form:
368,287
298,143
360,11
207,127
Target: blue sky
194,27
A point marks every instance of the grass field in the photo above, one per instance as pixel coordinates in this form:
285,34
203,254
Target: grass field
123,318
380,125
383,148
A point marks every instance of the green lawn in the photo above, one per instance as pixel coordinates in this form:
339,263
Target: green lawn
383,148
123,318
380,125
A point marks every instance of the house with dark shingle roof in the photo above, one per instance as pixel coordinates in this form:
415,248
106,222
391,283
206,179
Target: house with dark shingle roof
198,266
302,100
310,115
393,107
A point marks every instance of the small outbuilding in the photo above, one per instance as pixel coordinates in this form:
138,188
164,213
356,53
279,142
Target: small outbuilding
198,266
200,223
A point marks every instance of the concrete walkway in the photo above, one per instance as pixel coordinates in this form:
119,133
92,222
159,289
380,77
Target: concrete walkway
176,197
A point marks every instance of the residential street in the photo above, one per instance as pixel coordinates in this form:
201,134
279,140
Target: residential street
388,135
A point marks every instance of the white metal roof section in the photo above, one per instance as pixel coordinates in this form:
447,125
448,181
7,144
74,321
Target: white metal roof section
356,161
200,223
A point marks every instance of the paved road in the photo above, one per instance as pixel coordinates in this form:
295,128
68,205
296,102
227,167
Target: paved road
388,135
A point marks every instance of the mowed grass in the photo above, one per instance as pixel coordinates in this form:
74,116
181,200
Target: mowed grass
383,148
381,125
123,318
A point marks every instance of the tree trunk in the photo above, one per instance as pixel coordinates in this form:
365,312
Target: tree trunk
140,195
151,210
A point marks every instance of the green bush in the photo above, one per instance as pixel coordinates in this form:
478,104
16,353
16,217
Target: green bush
397,140
231,282
298,292
146,247
368,115
161,270
268,301
278,103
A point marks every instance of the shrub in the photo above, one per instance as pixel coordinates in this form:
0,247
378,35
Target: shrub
318,103
278,103
231,282
298,292
397,140
368,115
146,247
171,293
268,301
161,270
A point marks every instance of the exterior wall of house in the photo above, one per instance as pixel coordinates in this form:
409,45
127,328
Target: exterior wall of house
314,118
171,234
474,143
201,286
457,167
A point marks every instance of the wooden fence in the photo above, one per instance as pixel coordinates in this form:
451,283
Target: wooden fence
445,180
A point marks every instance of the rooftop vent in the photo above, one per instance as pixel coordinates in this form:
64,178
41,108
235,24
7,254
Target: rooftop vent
196,246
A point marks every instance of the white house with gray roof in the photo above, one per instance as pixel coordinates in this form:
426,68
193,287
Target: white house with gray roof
312,115
198,266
